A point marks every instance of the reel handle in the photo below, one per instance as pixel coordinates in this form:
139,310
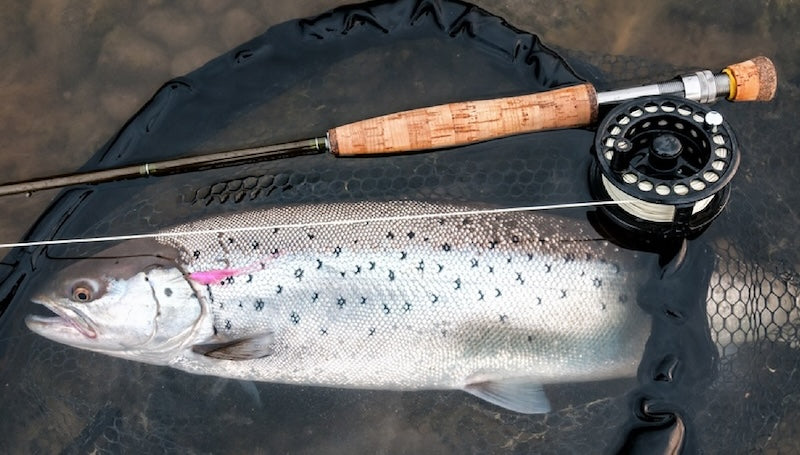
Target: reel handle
461,123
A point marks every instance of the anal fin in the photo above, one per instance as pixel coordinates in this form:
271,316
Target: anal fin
522,395
252,347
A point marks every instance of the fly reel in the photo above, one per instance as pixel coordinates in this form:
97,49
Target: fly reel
668,161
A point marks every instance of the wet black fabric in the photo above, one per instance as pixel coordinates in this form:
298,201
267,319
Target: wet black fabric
297,80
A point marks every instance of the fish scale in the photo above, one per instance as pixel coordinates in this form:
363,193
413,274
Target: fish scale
418,303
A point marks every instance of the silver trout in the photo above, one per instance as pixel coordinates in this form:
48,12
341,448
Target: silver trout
399,297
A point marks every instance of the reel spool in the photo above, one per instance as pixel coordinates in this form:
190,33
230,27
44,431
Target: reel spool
672,157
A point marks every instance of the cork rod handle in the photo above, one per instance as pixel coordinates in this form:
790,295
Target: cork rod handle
752,80
461,123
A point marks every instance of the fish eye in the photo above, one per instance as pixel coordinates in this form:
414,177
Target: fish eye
82,293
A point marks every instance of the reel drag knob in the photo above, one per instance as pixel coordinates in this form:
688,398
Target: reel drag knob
669,161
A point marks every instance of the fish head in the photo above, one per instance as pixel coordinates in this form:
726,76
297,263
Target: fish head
124,302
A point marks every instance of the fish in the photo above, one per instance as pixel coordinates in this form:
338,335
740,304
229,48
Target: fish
398,295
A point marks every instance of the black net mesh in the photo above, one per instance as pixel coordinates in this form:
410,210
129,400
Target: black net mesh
719,372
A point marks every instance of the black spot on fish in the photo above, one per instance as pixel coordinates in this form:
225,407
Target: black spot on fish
390,235
410,235
434,298
310,236
406,307
363,300
256,245
403,255
597,282
421,266
263,266
530,339
371,331
343,274
168,292
240,305
358,270
371,265
458,283
492,244
391,275
386,309
259,305
563,293
508,260
490,269
228,324
514,239
497,292
538,300
231,240
229,280
279,289
295,318
196,254
274,230
337,251
314,297
249,278
341,301
441,267
215,329
298,274
503,318
426,239
441,221
444,332
480,295
569,257
319,264
446,247
474,263
519,278
323,331
603,306
275,251
530,257
547,268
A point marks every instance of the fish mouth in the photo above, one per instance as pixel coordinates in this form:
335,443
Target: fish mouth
66,318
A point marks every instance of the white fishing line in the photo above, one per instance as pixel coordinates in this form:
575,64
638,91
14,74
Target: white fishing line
650,211
345,222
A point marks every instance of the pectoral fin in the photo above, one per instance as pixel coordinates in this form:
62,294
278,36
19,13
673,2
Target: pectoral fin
516,394
252,347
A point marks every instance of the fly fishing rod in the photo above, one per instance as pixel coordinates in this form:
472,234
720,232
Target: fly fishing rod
453,124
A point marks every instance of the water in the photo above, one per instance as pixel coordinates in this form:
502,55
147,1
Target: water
77,72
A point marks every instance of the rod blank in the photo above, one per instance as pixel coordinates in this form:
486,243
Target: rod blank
178,165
